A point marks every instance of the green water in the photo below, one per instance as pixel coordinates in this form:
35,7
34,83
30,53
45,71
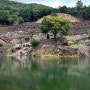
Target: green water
28,73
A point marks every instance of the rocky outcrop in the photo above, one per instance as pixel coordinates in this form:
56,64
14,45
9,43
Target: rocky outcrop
66,50
87,42
84,51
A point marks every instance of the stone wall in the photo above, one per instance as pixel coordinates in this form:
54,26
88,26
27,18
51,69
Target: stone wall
27,26
80,27
77,27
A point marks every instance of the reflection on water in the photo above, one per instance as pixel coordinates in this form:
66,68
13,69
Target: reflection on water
28,73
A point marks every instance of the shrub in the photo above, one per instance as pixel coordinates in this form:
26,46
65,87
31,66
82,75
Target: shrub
19,20
35,42
1,44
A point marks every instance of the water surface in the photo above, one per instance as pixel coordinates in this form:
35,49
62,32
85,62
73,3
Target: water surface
26,73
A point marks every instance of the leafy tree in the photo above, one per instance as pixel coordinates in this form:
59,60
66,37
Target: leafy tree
79,4
26,14
19,20
63,9
55,25
4,17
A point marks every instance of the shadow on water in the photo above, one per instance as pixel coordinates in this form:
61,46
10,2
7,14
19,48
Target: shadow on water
28,73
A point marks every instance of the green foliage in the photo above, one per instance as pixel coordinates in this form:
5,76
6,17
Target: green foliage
53,14
1,44
79,11
19,20
55,25
63,9
35,42
11,12
16,11
4,17
79,4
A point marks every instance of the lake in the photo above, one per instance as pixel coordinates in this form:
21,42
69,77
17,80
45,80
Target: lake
46,73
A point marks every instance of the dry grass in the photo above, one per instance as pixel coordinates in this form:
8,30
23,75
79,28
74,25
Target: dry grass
62,15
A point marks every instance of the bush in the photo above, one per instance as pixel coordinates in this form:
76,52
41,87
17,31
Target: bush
35,42
19,20
1,44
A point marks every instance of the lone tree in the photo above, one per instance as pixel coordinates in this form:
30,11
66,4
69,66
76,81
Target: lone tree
55,25
79,5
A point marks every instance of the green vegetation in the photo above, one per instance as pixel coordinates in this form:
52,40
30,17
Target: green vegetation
78,11
55,25
1,44
12,49
13,12
35,42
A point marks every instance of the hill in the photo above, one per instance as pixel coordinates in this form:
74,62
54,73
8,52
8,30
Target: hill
14,12
63,15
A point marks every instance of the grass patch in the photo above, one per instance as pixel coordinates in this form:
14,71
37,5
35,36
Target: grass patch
35,42
1,44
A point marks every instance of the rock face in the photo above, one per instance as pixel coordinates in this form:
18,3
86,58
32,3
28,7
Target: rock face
67,50
45,49
84,51
70,50
22,49
87,42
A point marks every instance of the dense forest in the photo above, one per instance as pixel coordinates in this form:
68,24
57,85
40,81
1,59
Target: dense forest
12,12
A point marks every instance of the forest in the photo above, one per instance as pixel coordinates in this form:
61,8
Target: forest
12,12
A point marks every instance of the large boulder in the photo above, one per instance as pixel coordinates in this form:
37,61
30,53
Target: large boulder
45,49
87,42
70,50
62,41
67,50
84,51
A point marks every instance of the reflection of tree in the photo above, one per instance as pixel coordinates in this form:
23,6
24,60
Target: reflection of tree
44,74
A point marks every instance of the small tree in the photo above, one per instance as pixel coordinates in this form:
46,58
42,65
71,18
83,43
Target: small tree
55,25
79,5
19,20
35,42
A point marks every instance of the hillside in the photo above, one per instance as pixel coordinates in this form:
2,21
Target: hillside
63,15
12,12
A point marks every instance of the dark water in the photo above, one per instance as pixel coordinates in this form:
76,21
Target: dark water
28,73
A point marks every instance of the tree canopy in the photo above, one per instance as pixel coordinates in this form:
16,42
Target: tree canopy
28,12
16,12
55,25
